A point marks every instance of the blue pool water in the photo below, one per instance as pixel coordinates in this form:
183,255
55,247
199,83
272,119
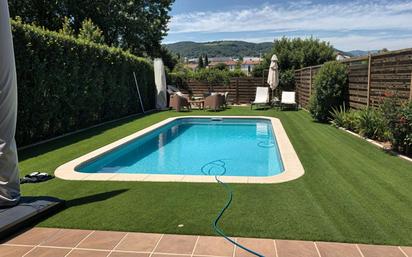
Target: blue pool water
196,146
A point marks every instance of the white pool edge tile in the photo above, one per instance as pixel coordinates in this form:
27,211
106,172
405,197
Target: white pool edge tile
293,168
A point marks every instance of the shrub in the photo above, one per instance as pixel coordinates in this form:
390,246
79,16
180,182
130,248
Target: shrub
287,80
180,75
67,84
371,124
330,83
221,66
401,130
338,116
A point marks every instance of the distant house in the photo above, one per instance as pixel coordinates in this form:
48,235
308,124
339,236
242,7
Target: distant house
341,56
231,65
249,64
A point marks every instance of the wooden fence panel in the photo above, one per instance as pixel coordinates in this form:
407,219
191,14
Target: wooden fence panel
241,90
369,78
358,84
391,72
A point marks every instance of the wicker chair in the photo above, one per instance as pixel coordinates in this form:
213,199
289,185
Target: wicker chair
178,102
215,102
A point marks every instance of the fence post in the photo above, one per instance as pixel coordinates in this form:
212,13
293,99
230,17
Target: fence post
410,89
369,80
237,90
310,81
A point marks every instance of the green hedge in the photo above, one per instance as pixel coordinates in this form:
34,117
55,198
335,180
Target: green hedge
65,84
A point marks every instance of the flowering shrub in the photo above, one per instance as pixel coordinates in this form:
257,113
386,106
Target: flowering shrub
392,121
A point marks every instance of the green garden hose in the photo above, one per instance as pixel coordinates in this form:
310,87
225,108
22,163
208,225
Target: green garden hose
207,169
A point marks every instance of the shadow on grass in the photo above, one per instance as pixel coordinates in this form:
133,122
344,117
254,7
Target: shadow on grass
72,139
94,198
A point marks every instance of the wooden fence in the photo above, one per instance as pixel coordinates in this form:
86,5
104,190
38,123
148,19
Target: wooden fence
370,77
241,90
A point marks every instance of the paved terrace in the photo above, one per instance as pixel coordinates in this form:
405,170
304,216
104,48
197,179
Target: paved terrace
81,243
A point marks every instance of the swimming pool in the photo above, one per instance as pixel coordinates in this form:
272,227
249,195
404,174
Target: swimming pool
197,146
243,149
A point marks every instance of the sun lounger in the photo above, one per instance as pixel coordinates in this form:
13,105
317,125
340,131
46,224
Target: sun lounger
261,98
288,99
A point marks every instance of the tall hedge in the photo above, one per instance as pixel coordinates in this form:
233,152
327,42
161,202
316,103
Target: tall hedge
65,84
330,85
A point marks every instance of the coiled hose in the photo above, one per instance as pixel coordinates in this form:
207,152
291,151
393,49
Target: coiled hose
208,169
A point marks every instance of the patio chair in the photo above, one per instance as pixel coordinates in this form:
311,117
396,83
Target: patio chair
214,102
179,101
225,94
288,100
261,98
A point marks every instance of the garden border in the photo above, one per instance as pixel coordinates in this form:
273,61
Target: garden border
377,144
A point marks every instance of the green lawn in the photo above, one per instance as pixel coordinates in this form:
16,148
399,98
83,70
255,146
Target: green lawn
351,190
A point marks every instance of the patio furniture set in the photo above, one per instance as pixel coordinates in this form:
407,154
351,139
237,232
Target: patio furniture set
218,101
214,101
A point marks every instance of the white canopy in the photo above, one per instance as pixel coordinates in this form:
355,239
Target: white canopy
9,172
273,76
160,80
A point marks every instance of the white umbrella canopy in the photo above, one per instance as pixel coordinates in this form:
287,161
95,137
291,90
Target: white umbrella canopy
160,81
9,172
273,76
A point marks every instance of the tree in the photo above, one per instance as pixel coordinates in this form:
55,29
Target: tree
169,59
206,61
138,25
221,66
66,28
294,54
91,32
200,64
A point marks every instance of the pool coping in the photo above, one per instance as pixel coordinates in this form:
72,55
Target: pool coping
293,168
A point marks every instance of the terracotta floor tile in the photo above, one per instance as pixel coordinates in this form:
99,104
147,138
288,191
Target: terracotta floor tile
380,251
140,242
48,252
216,246
261,246
66,238
407,250
291,248
13,251
105,240
33,236
120,254
176,244
88,253
337,250
171,255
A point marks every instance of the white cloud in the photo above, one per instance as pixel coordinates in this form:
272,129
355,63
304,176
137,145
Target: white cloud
340,16
347,18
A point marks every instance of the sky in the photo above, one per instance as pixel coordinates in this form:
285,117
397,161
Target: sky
346,24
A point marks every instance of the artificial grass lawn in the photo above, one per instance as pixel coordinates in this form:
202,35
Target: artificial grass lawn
351,190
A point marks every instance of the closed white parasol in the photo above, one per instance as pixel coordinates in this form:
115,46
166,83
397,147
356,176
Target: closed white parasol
160,81
9,172
273,76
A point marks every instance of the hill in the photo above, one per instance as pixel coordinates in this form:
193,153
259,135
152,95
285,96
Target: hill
219,48
191,49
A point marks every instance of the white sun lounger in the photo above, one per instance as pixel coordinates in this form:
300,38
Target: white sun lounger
262,97
288,99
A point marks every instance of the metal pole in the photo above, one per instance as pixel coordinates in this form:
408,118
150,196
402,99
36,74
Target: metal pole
138,91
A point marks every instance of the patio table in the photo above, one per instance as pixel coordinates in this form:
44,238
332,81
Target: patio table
199,103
